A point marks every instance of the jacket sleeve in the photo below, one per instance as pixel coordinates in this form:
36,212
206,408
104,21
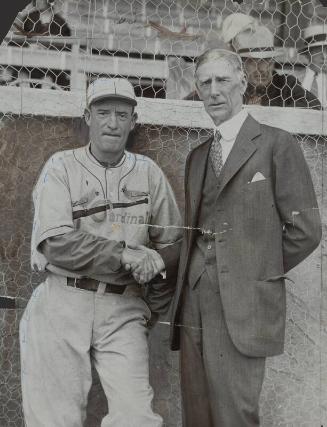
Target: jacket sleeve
165,231
296,201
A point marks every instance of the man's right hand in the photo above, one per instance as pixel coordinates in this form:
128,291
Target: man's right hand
132,258
141,261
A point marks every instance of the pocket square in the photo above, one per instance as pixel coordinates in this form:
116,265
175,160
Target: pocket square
257,177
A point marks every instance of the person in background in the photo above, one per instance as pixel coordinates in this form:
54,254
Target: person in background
254,42
315,50
43,21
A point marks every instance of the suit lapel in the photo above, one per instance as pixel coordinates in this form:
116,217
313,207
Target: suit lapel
242,150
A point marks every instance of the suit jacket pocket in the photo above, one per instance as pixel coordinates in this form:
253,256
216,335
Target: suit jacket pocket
256,185
269,309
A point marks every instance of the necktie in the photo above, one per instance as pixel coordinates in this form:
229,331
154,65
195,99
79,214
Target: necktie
216,155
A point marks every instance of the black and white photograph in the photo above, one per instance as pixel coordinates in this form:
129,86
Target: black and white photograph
163,224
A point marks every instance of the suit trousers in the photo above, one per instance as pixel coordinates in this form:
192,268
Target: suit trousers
61,330
220,386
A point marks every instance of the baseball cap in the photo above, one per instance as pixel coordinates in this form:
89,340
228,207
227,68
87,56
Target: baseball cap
115,88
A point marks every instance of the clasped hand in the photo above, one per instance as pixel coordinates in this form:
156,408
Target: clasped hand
144,263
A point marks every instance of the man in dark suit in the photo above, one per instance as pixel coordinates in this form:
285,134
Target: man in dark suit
252,215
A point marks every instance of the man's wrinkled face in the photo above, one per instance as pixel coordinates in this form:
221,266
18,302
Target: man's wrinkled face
259,72
317,56
221,89
110,122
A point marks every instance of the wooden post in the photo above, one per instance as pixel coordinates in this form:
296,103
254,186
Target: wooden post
78,78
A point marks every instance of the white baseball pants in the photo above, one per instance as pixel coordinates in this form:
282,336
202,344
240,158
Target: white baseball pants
61,330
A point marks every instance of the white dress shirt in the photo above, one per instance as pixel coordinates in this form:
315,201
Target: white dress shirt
229,131
316,84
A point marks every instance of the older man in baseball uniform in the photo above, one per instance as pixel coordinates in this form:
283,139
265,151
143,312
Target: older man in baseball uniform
105,221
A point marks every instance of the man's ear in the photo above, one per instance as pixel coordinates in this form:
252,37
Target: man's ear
87,116
134,119
244,84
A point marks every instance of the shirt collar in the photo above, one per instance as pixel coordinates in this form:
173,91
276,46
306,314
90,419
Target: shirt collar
310,72
230,128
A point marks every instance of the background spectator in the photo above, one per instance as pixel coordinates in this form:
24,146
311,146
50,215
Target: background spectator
255,44
315,77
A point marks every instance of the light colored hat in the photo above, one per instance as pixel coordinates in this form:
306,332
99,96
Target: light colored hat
115,88
314,35
248,37
235,23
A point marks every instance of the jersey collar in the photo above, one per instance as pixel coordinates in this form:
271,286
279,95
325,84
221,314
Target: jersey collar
89,162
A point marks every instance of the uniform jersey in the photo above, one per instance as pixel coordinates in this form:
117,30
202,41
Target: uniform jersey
131,202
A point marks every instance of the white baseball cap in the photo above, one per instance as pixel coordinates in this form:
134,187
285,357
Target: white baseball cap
115,88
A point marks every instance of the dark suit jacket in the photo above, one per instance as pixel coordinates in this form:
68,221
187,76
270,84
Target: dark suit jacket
283,91
265,229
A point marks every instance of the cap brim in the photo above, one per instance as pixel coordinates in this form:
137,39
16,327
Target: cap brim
261,55
126,99
306,48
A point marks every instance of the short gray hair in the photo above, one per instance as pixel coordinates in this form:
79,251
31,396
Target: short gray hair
231,57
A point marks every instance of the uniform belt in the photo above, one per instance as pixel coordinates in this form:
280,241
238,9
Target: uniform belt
92,285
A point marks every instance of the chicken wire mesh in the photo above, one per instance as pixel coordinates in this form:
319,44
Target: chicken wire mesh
51,53
64,44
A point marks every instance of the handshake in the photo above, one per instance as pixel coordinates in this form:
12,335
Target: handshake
144,263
